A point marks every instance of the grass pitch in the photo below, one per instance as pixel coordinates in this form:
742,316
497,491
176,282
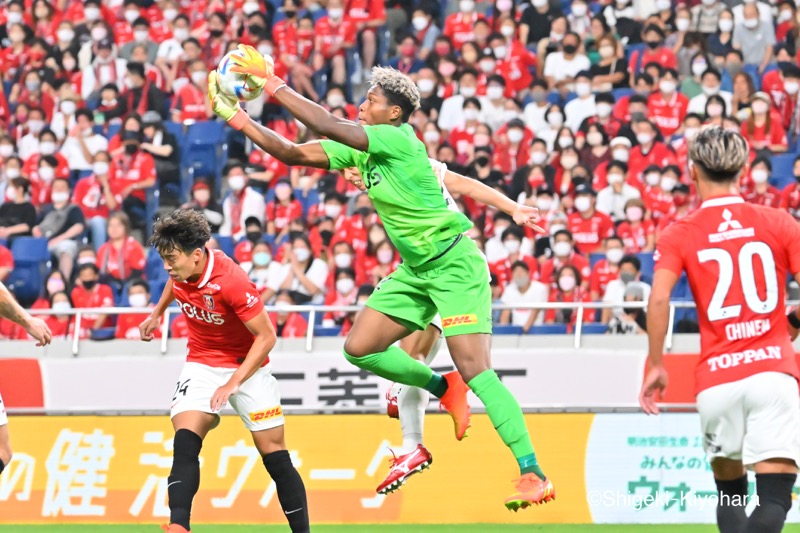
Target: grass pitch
379,528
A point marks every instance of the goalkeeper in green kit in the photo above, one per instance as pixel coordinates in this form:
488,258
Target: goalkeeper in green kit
441,270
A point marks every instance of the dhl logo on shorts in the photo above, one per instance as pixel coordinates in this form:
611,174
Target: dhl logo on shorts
459,320
260,416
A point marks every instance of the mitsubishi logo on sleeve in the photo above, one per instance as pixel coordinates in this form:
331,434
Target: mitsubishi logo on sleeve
728,222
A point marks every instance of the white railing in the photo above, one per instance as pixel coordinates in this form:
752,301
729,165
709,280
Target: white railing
313,310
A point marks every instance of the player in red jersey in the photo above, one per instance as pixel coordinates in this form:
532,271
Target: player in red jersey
230,338
746,378
36,328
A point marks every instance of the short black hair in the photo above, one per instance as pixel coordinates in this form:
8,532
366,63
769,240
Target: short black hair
347,270
136,68
566,232
139,282
183,229
513,231
365,290
631,260
83,112
520,264
615,163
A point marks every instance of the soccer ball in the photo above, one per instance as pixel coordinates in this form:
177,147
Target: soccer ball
242,86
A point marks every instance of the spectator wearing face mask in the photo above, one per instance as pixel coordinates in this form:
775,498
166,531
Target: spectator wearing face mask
138,298
335,34
584,106
632,320
106,68
122,257
606,269
54,283
61,223
667,106
17,214
763,129
512,239
94,196
258,268
790,196
88,293
458,27
450,115
287,324
135,173
12,55
42,176
281,210
241,203
649,152
535,111
62,326
612,199
29,143
637,231
684,206
710,85
761,192
561,68
483,166
754,37
191,101
782,86
563,253
588,226
629,275
300,272
82,143
567,290
345,293
522,289
202,200
243,252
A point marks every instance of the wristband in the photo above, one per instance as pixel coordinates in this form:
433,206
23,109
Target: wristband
794,321
239,120
273,84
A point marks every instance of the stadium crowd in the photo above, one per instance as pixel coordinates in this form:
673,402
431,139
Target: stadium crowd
582,109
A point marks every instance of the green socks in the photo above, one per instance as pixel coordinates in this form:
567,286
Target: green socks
395,365
506,416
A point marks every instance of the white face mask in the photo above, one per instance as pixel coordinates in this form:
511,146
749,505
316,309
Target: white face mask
470,114
555,119
594,138
569,162
539,3
709,91
614,255
170,14
784,15
61,307
332,210
583,89
604,110
13,17
614,178
725,25
68,107
760,175
698,68
336,13
791,87
500,52
250,7
35,125
65,35
644,138
131,15
689,133
607,51
667,86
544,204
512,246
566,283
634,213
466,6
12,173
668,183
431,136
507,31
335,100
180,34
487,66
583,203
495,92
466,92
137,300
6,150
236,183
419,23
385,257
343,260
682,24
141,36
760,107
750,23
579,10
652,179
565,142
199,77
47,148
538,158
302,254
99,33
620,154
515,135
425,85
345,285
562,249
59,197
100,168
91,13
47,174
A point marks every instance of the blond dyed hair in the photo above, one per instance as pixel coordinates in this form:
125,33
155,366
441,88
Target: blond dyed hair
720,154
398,89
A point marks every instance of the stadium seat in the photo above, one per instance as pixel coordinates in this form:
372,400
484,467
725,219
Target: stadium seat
782,170
154,267
595,258
594,328
206,132
320,331
506,329
103,334
177,129
113,129
621,93
30,262
648,265
225,244
26,283
156,288
30,250
549,329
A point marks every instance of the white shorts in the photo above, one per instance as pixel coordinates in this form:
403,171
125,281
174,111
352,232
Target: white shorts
3,416
753,419
258,401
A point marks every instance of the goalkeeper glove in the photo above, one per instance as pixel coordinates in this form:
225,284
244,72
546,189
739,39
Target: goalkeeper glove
260,68
225,106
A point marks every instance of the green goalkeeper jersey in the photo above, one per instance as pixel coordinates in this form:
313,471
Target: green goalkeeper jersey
403,189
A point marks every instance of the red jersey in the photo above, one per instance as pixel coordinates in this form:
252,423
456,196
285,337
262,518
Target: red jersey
99,296
460,28
31,165
551,266
6,258
88,195
502,268
131,170
191,102
635,238
589,233
295,325
461,139
760,135
568,316
790,200
736,256
770,198
128,326
119,263
334,38
284,34
362,11
516,68
270,163
657,202
62,329
668,115
662,56
659,155
216,308
281,215
785,104
602,274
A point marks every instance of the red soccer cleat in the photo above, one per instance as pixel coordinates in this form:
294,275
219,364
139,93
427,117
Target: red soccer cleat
455,402
404,467
174,528
530,491
392,409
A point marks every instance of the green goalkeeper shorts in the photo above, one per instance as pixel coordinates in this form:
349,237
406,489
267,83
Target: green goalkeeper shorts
456,285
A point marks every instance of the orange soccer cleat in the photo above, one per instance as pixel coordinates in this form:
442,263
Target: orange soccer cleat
531,490
455,402
404,467
174,528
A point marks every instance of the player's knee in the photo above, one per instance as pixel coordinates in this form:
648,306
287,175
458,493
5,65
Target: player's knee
6,454
353,349
187,444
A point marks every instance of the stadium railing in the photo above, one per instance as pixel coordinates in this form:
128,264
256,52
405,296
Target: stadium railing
315,311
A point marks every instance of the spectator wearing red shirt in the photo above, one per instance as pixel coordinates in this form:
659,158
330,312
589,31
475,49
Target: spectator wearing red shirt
762,193
649,152
606,269
668,107
564,254
254,234
636,231
568,290
89,293
287,324
588,226
138,298
513,147
344,292
122,257
123,27
682,200
48,147
790,196
461,138
459,27
61,326
512,242
12,56
604,103
335,34
368,16
782,87
191,101
515,61
656,51
282,210
407,61
135,172
93,194
763,130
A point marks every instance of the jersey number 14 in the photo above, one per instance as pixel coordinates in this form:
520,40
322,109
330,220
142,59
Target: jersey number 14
716,308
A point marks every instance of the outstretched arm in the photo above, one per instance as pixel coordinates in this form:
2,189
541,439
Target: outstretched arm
10,309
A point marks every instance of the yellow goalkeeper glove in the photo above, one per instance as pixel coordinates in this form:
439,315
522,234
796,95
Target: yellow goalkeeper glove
260,68
225,106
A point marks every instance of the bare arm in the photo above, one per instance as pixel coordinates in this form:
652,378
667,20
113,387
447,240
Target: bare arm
658,314
263,342
10,309
308,154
